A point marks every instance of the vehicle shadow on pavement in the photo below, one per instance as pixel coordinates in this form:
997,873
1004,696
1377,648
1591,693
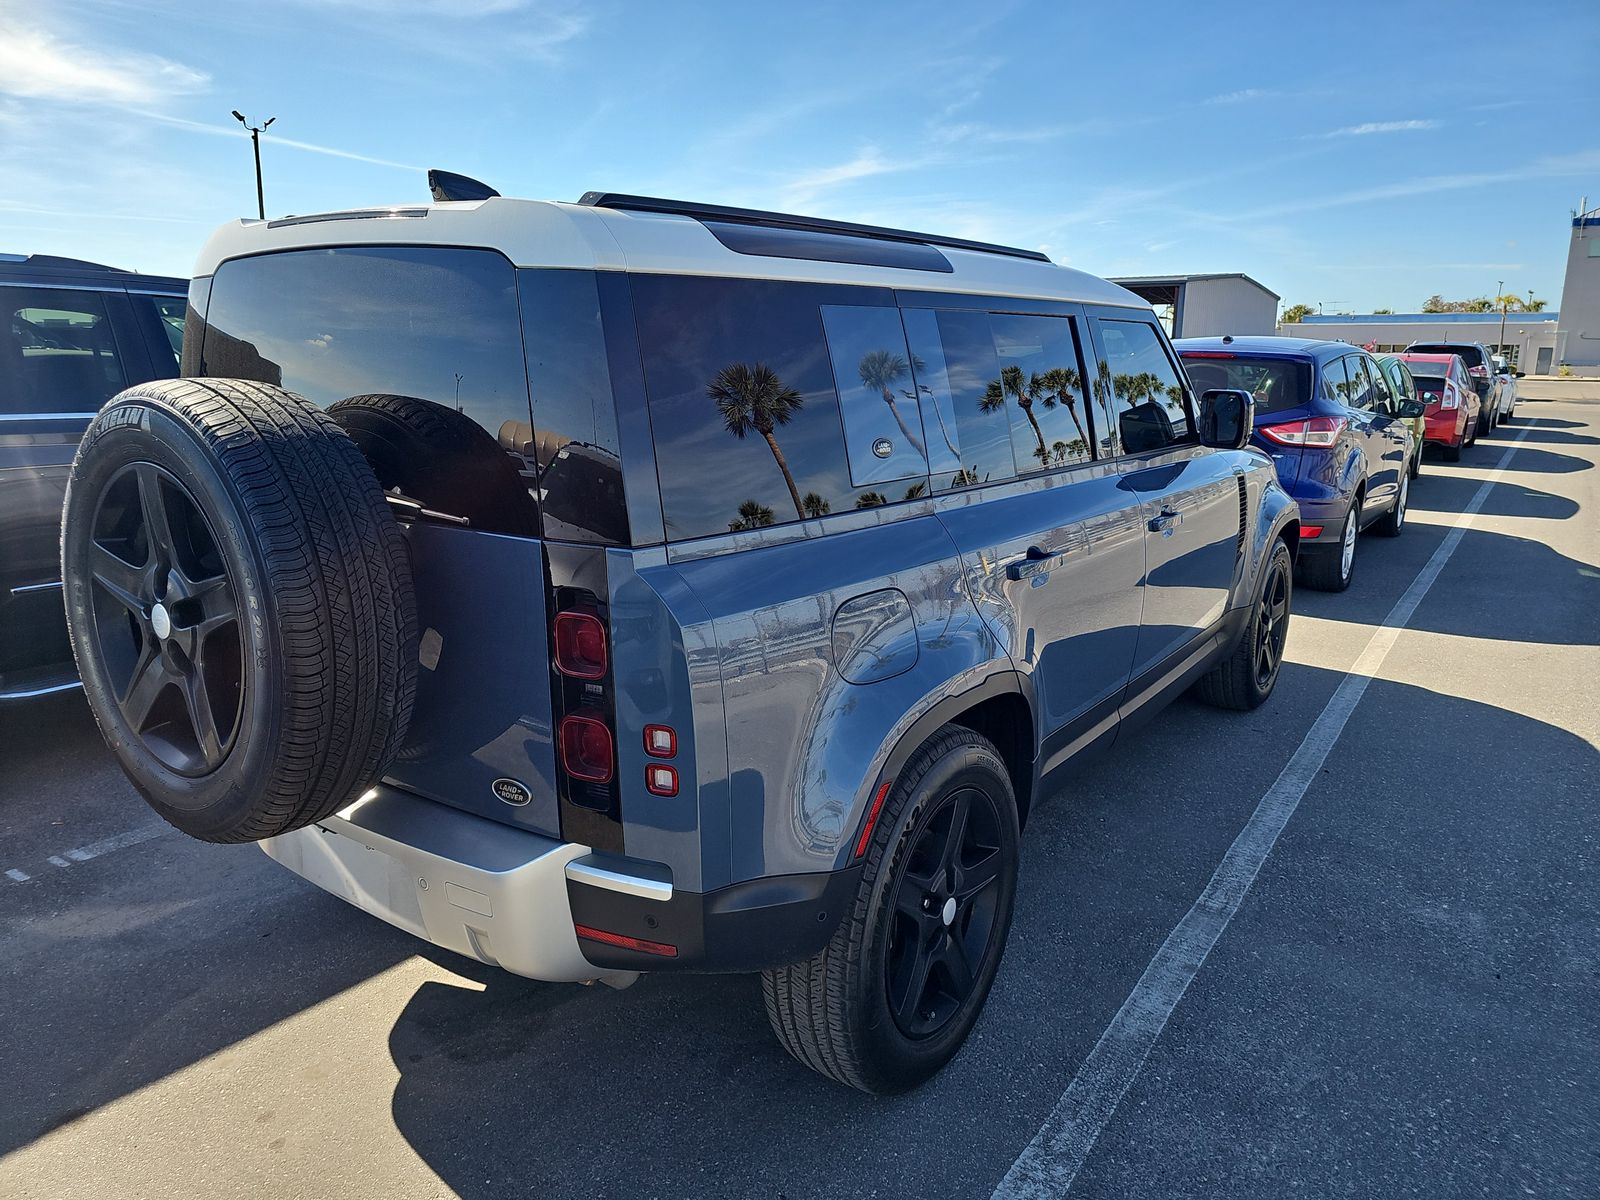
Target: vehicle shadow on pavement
675,1087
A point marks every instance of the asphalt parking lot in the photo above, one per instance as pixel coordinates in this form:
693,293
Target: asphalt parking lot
1406,1001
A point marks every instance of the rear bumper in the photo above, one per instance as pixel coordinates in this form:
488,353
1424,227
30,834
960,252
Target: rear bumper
515,899
1448,428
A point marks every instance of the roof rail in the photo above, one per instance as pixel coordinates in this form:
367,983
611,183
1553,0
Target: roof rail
56,262
755,216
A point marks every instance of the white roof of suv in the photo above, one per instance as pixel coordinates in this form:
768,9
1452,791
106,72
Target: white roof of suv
546,233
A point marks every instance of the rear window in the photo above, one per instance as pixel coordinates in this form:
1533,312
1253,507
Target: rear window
1430,388
57,353
1470,355
1275,383
435,324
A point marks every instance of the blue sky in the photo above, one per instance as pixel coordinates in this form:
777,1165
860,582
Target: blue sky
1366,159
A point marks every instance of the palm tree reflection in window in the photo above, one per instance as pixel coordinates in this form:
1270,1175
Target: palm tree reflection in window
880,371
752,515
815,505
871,500
1066,385
1014,384
753,397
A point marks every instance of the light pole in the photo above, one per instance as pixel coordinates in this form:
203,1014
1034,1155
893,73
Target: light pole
255,142
1498,295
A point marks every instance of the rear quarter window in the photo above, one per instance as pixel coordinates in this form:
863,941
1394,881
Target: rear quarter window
57,351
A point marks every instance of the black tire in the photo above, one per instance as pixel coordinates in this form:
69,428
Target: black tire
1416,464
1323,569
240,605
1393,522
1246,677
439,457
834,1012
1452,453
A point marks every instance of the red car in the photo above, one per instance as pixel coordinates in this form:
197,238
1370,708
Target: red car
1453,404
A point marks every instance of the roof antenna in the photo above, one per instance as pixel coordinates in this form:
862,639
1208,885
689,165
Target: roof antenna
447,185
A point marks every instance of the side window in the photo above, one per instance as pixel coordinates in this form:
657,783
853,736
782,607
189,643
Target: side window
57,354
883,430
1336,381
1382,394
1361,388
1146,392
742,404
1040,386
163,319
953,361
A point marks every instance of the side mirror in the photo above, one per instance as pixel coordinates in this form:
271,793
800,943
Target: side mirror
1410,410
1227,418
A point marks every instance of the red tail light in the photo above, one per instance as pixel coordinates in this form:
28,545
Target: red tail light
586,748
580,645
1316,431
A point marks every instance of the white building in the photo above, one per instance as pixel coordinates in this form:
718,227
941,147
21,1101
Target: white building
1578,334
1207,305
1529,341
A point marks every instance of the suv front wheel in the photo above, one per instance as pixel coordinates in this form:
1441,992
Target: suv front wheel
892,997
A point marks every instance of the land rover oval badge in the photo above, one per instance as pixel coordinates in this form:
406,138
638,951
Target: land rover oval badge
511,791
883,447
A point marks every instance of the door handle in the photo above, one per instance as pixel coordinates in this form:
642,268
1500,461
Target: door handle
1165,521
1037,553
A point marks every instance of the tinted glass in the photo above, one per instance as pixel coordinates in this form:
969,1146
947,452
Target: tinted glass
1470,354
1040,386
742,403
573,440
1275,383
1361,390
1430,388
1399,378
883,434
1382,393
774,242
953,359
433,330
57,354
1336,381
1145,389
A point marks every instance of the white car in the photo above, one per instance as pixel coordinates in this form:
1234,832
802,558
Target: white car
1508,386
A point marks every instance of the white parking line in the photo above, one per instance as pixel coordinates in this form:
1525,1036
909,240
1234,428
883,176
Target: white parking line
82,854
1049,1163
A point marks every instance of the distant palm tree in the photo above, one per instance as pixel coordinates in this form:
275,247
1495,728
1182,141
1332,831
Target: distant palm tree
753,397
880,371
752,515
1066,385
1015,384
871,499
814,505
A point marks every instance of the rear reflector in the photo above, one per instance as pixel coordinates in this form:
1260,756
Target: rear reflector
626,942
585,748
660,780
1310,531
660,741
872,818
580,645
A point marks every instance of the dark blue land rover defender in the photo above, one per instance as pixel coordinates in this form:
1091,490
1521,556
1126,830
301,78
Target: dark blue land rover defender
633,585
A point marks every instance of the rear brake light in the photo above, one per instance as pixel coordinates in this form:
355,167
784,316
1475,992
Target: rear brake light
586,748
1316,431
1478,372
660,741
1451,398
1206,354
580,645
626,942
661,780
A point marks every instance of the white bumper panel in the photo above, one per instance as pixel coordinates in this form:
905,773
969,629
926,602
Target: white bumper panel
477,887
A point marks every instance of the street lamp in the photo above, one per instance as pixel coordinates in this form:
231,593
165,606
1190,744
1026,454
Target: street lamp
1499,290
255,141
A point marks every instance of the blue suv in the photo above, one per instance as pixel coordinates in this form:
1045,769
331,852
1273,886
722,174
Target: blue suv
631,585
1338,433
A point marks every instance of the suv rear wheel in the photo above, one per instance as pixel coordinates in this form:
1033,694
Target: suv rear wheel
240,605
893,995
1329,569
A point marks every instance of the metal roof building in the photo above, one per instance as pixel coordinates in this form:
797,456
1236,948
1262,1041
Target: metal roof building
1207,305
1529,343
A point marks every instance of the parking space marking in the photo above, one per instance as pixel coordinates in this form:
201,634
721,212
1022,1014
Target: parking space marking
1050,1163
83,854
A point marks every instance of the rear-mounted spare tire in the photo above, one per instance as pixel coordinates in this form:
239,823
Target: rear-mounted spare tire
240,605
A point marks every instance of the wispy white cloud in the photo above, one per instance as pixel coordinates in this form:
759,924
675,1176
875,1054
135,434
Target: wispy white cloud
868,162
1243,96
536,29
992,135
1372,127
37,65
293,143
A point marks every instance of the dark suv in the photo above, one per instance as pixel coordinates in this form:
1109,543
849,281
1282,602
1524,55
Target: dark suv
72,335
637,586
